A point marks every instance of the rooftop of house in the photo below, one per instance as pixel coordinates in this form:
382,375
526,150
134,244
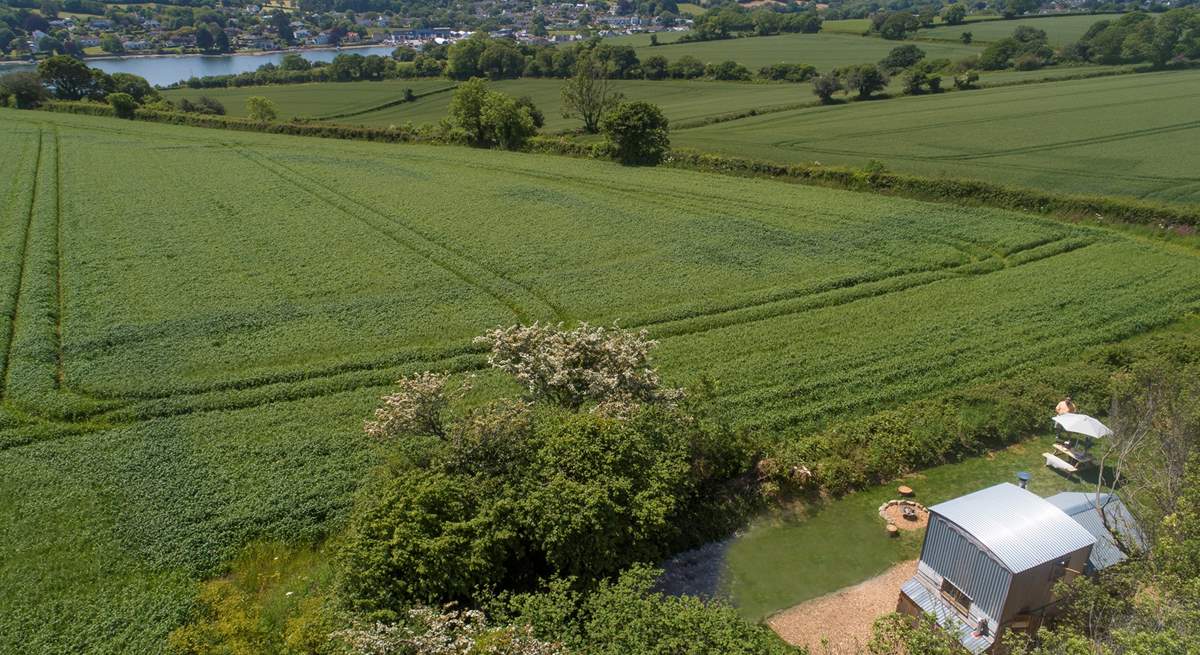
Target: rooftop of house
1082,508
1021,529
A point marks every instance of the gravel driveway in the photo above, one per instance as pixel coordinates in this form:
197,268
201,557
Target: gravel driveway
843,617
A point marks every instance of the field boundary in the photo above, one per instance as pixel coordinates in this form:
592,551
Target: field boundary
959,191
21,257
387,105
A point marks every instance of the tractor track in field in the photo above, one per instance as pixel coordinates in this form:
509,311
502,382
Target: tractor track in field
560,312
59,365
351,385
338,202
21,257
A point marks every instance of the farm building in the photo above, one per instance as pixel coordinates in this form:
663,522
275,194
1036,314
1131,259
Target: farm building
1082,508
990,561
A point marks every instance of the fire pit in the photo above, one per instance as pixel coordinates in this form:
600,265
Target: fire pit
904,514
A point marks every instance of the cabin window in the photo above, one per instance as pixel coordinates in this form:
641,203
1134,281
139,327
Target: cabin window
956,596
1059,569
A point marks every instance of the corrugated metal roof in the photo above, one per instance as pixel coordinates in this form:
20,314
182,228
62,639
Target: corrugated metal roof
1020,528
1082,508
931,602
957,558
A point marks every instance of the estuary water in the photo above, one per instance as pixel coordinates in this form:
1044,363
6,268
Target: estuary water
169,69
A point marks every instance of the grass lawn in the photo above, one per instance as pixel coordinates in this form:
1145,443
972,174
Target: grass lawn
1128,135
314,99
1060,30
823,50
787,559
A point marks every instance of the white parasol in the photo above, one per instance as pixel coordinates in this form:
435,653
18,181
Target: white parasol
1082,424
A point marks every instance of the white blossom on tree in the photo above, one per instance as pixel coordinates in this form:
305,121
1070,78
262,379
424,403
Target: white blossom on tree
416,407
444,633
606,366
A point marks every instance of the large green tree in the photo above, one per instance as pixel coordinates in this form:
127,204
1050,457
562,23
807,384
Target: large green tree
67,77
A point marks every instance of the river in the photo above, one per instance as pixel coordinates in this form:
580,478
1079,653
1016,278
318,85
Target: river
168,69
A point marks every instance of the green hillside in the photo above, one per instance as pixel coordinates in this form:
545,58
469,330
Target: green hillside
1130,135
188,369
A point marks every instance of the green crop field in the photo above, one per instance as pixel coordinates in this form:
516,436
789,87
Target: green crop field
1130,135
201,320
823,50
643,38
314,100
1060,30
680,100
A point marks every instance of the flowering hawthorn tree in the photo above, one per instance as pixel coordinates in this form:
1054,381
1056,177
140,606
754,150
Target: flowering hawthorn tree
416,407
587,364
444,633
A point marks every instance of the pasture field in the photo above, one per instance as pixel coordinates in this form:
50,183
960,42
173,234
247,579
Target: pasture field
681,101
1127,135
187,370
314,100
823,50
643,39
1060,30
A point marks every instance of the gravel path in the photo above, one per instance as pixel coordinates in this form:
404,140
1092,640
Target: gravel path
843,617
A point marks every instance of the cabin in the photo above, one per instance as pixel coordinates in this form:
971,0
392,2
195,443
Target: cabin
990,561
1109,521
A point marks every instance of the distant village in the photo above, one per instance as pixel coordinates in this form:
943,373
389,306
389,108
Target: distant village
155,29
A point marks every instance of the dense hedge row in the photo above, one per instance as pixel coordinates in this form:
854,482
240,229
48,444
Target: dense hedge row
932,431
942,189
320,130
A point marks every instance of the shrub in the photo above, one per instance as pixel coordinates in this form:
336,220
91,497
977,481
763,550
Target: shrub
445,632
636,133
261,109
22,90
490,118
1027,62
123,104
582,365
902,57
417,407
728,71
626,616
424,536
824,86
787,72
686,67
866,79
966,80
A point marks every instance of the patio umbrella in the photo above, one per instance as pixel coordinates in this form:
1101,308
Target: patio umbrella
1082,424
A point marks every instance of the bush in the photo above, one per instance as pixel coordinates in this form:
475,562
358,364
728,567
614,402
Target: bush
490,118
636,133
824,86
966,80
1028,62
123,104
625,616
902,57
866,79
787,72
22,90
261,109
730,71
587,364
